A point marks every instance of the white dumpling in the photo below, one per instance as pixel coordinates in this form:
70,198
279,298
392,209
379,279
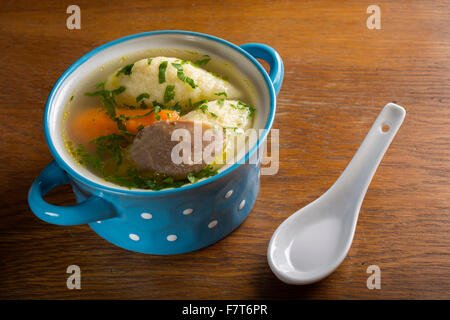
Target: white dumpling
143,77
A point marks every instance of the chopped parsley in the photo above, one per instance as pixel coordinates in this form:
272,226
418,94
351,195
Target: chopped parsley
220,102
157,110
207,171
242,106
203,107
109,102
143,105
142,96
221,94
149,61
88,159
251,110
100,84
182,76
199,103
162,72
157,104
169,94
125,70
202,62
177,107
125,118
112,144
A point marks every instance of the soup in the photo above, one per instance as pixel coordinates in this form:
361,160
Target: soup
120,123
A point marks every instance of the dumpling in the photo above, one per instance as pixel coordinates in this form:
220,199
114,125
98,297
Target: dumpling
168,81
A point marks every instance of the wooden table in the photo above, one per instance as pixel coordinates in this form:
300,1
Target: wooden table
338,75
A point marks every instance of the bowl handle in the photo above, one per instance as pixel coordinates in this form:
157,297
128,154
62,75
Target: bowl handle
93,209
268,54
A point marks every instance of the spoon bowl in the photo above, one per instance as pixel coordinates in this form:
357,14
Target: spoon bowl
310,244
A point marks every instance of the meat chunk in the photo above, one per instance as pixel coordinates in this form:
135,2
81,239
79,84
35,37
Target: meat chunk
176,148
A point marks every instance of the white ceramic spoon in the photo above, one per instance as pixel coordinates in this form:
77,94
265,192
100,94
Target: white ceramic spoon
312,243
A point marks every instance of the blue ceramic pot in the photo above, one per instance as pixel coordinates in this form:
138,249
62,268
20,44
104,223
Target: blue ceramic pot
168,221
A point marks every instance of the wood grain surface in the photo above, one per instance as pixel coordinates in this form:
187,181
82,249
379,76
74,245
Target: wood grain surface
338,76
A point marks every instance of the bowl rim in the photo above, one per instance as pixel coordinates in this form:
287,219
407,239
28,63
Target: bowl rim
66,167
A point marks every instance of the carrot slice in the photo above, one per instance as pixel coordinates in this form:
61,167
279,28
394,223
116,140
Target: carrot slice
92,123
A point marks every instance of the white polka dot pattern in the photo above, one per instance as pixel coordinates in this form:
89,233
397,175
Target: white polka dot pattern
172,237
146,215
212,224
134,237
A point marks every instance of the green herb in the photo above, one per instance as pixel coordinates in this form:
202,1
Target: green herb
156,103
109,102
125,118
140,127
134,179
251,110
157,110
220,102
117,91
127,133
168,180
71,98
197,104
169,94
213,114
149,61
112,144
100,84
88,159
207,171
125,70
221,94
242,106
143,105
182,76
203,107
127,106
177,107
142,96
203,62
162,72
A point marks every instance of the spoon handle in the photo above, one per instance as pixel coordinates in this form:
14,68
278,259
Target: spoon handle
354,181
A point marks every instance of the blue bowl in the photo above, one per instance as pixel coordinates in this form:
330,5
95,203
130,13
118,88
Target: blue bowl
169,221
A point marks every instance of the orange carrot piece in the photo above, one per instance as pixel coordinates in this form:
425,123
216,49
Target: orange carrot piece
92,123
